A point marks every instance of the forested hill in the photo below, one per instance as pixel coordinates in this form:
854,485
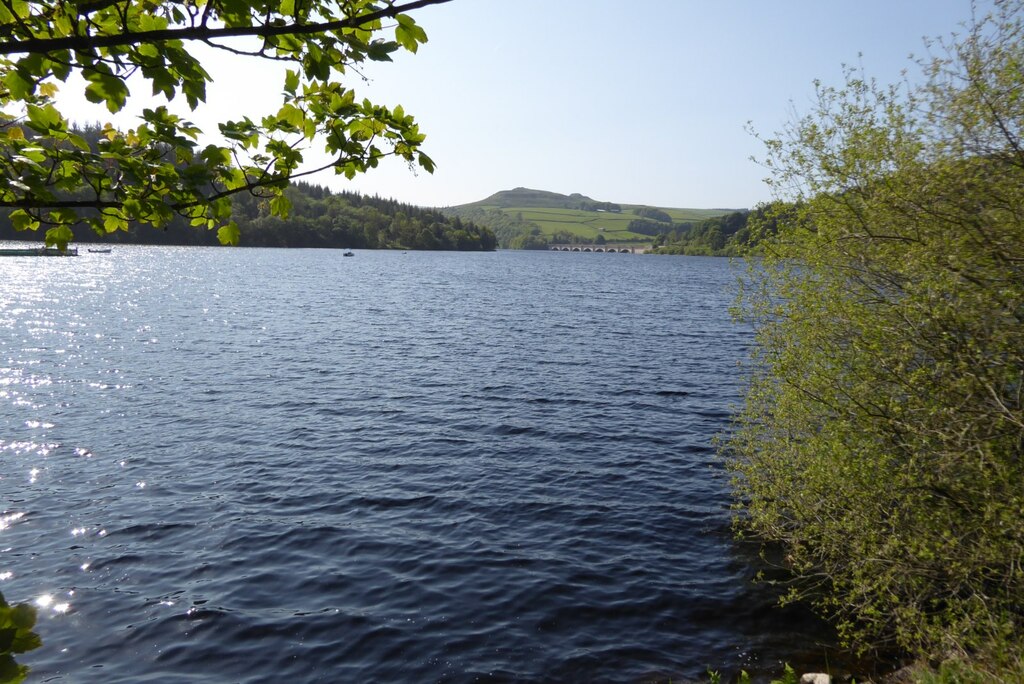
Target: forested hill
318,218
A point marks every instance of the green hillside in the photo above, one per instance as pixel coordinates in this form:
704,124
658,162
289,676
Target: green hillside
534,219
681,215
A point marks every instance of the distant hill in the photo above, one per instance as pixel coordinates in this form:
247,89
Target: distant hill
542,199
524,218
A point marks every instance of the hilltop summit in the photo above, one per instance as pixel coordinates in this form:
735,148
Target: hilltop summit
543,199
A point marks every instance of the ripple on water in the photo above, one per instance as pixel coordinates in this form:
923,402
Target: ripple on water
422,467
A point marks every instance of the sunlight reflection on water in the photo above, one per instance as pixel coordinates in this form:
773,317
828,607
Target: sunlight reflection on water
409,467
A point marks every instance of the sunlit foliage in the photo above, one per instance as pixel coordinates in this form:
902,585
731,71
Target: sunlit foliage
16,636
882,442
52,178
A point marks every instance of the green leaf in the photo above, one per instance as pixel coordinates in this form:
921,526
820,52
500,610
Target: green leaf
79,142
408,33
114,222
23,616
426,162
61,64
10,671
7,636
132,208
350,169
234,179
59,236
108,90
63,215
235,12
291,115
316,64
149,50
291,82
164,82
229,234
215,155
43,119
18,86
21,220
280,206
62,22
380,50
343,101
149,21
26,641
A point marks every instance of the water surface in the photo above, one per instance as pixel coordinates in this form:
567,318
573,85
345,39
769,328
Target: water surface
249,465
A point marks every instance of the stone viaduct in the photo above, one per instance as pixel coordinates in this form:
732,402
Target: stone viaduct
609,248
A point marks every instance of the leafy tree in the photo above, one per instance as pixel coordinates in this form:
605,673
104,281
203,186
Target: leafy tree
882,440
653,213
427,239
647,227
506,227
563,237
587,204
53,178
734,234
529,240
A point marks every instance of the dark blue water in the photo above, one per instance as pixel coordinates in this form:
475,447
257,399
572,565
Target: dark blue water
266,465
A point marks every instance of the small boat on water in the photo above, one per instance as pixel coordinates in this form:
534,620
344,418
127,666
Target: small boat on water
38,251
100,251
349,253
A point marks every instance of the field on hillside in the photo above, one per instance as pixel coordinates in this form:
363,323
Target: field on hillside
681,215
590,224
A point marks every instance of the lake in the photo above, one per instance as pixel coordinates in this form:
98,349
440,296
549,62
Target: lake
242,465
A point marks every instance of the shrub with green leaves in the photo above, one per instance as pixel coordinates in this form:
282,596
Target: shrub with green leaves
882,441
16,636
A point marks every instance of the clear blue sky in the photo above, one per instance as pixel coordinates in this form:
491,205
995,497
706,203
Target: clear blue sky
643,101
636,102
